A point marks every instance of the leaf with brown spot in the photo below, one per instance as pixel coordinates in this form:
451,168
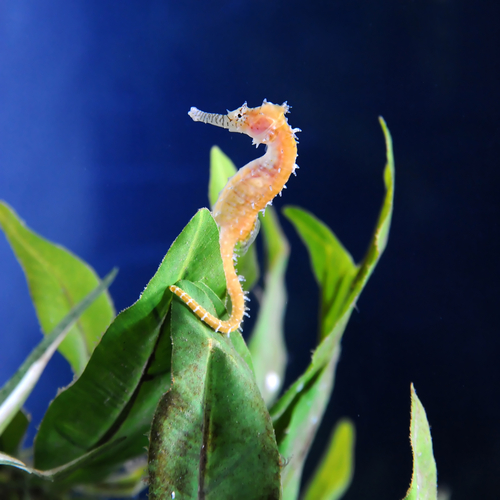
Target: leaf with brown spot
129,371
212,436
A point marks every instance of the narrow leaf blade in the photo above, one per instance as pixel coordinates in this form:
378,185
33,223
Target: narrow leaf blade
267,342
334,473
296,428
380,236
298,412
329,342
16,390
130,369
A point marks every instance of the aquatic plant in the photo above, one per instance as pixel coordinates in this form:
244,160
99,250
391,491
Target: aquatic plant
207,406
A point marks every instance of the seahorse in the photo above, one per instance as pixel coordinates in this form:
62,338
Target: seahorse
247,193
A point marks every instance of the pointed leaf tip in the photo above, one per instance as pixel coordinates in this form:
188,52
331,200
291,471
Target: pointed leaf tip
424,478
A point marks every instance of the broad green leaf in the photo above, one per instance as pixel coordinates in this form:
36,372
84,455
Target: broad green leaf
12,437
213,420
424,478
221,170
15,392
298,412
58,473
335,471
267,343
153,386
130,369
134,423
57,281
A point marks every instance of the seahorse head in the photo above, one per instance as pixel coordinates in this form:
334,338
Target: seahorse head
259,123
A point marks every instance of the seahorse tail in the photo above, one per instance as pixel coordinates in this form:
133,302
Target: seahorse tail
218,325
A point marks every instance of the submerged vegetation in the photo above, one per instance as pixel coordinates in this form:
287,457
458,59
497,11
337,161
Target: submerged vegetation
208,407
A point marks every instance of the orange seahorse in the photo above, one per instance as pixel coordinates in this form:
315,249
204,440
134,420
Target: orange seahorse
249,191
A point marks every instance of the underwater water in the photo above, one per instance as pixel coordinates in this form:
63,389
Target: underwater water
97,153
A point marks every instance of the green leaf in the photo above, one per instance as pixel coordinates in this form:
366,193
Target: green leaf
335,471
297,425
299,411
12,437
221,312
221,170
267,343
130,369
424,479
57,281
134,423
16,390
213,420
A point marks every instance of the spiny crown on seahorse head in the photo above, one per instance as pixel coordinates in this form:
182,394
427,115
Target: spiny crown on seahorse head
249,191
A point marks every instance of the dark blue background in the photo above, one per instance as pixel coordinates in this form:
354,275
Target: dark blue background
97,153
